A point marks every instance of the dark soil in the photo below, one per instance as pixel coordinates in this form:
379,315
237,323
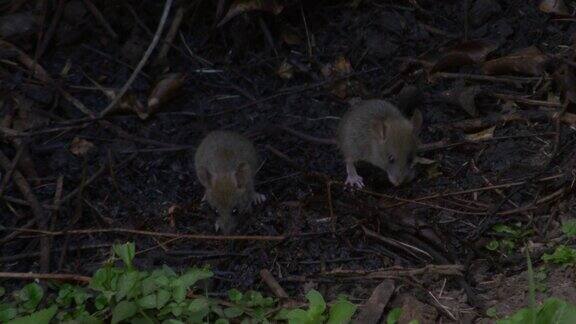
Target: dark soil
148,182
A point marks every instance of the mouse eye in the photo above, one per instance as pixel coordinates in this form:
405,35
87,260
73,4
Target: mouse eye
391,159
235,211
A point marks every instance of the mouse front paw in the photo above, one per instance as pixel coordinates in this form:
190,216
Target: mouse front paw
259,198
354,181
225,225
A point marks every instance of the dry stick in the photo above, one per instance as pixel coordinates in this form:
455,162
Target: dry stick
100,17
51,29
10,171
143,61
150,233
524,100
12,235
46,276
170,35
36,210
273,284
397,271
40,73
23,256
477,77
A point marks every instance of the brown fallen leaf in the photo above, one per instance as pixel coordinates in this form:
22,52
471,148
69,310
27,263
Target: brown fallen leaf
128,103
482,135
374,307
462,54
80,146
285,70
289,36
556,7
165,90
465,97
527,61
341,67
241,6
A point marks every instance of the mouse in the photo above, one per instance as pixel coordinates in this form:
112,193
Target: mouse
374,131
226,163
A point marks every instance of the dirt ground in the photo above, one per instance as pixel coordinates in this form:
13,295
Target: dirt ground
495,87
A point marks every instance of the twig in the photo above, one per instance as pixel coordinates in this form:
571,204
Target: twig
46,276
10,171
477,77
143,61
36,210
170,35
397,271
22,256
51,29
273,284
100,17
150,233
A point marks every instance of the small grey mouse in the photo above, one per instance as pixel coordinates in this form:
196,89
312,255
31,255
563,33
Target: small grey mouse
226,164
375,131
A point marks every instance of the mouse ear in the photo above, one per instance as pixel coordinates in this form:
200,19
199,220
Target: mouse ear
205,177
379,128
417,122
241,175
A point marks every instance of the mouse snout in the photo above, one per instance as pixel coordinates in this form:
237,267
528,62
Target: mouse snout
398,177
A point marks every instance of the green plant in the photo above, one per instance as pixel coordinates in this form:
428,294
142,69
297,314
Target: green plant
394,315
552,310
512,236
562,255
124,294
569,228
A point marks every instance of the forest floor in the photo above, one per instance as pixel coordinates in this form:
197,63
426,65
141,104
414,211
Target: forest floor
495,87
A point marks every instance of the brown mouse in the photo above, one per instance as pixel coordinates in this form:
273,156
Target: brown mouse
375,131
226,164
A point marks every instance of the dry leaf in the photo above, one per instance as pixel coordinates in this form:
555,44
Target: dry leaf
164,90
285,71
462,54
374,306
128,103
527,61
80,146
482,135
341,67
556,7
290,37
18,25
241,6
423,160
465,97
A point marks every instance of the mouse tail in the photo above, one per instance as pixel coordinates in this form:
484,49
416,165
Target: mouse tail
310,138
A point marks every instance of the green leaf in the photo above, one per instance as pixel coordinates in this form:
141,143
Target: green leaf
126,283
40,317
162,297
221,321
562,255
102,279
124,310
569,228
198,305
234,295
147,302
2,291
493,245
492,312
298,316
194,275
556,311
232,312
521,316
501,228
341,312
172,321
101,302
30,296
317,303
126,252
7,313
178,291
141,320
394,315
